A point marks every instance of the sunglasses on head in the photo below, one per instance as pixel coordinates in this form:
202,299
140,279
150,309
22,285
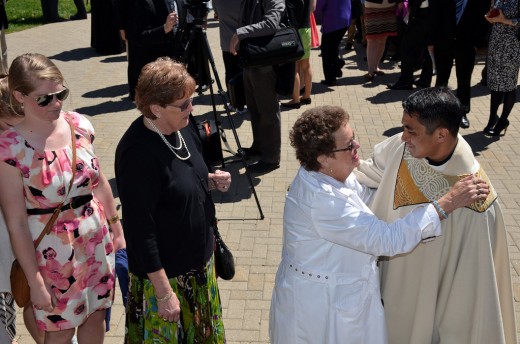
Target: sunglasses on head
184,105
45,99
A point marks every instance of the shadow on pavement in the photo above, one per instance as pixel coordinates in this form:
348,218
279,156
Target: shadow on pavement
108,92
78,54
479,142
107,107
114,59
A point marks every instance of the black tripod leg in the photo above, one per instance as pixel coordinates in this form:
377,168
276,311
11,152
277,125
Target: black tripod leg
209,57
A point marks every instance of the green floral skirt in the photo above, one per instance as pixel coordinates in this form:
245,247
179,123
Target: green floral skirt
201,311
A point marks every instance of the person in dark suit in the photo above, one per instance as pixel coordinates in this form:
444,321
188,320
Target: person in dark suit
152,29
81,10
414,42
459,26
50,11
105,36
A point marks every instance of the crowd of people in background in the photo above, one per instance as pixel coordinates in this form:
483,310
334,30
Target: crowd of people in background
338,204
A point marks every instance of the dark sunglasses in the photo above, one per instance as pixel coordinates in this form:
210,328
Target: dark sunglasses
349,148
45,99
184,105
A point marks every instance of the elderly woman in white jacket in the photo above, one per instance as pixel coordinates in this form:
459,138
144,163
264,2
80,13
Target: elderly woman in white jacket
327,284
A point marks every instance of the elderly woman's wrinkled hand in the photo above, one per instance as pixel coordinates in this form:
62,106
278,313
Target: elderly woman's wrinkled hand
169,308
467,191
221,180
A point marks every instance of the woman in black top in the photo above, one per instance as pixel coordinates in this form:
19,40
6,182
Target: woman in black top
164,185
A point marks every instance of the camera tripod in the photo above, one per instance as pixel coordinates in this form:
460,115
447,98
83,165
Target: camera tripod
198,48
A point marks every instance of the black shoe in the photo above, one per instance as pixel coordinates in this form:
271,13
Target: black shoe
497,130
262,167
422,84
329,83
491,124
202,88
464,122
400,86
78,16
305,101
291,105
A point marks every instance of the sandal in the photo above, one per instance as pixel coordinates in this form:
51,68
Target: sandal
369,77
305,101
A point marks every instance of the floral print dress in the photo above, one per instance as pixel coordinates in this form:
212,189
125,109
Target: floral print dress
77,257
503,60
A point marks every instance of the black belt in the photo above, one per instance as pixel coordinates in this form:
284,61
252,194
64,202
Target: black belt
75,203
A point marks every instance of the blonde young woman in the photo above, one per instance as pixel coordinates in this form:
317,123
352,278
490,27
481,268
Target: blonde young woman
71,272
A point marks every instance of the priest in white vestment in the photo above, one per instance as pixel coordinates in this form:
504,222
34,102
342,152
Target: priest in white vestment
457,287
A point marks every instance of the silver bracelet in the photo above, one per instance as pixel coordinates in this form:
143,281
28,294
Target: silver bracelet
439,209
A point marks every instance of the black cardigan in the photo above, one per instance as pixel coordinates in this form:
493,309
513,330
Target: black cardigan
167,209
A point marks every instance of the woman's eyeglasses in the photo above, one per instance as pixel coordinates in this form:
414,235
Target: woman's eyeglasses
349,148
45,99
184,105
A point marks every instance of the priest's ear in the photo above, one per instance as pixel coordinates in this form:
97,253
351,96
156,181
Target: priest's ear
442,135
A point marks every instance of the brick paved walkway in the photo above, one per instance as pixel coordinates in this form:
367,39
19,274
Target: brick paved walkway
98,90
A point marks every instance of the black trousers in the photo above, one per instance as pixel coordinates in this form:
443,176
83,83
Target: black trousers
80,6
50,10
329,53
231,65
463,52
413,44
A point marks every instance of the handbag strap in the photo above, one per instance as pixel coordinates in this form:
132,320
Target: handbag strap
57,211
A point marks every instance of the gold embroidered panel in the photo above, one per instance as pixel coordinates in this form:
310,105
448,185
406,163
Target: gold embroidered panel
417,183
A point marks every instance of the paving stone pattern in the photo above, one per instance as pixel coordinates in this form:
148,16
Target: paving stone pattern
99,90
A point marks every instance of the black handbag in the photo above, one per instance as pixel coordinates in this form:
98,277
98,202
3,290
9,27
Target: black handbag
224,260
283,46
210,135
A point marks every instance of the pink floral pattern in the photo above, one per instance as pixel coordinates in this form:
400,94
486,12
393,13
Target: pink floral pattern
77,258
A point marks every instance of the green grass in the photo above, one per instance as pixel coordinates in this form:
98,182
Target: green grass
25,14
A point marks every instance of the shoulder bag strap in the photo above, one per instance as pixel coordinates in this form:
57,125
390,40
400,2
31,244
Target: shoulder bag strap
57,211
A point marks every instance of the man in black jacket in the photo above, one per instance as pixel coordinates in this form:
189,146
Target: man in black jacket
459,26
414,42
261,18
151,28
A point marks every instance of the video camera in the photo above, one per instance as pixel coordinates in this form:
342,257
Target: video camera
199,10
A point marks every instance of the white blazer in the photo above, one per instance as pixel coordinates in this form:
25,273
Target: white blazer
327,285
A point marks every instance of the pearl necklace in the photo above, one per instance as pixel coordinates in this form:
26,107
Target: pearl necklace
181,142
